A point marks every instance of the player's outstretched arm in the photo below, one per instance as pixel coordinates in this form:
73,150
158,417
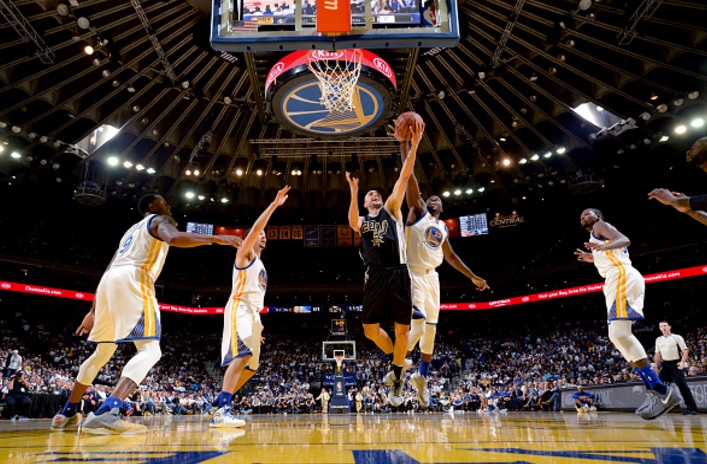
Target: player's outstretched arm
455,261
246,249
165,228
412,192
395,200
354,218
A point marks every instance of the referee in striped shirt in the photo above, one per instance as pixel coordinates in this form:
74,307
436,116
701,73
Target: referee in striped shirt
671,351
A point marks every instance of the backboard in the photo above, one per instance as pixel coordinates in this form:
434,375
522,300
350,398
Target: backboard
288,25
348,346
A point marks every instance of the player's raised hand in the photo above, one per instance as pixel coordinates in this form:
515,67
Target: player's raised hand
86,324
282,195
353,181
418,129
480,283
667,197
584,256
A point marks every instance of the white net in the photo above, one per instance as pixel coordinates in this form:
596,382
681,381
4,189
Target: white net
338,73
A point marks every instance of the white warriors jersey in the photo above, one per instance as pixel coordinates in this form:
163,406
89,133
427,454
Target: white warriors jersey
609,259
424,243
141,249
250,283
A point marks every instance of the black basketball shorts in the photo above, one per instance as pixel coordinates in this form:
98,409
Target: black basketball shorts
387,295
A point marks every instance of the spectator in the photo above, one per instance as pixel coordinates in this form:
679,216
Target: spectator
18,400
14,364
583,401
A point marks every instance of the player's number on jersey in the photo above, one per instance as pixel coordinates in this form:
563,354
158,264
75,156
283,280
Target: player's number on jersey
126,245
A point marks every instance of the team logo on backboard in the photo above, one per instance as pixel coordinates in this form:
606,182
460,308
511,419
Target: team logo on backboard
327,55
275,72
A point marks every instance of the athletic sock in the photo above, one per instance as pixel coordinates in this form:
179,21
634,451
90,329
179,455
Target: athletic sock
110,403
398,371
424,368
70,409
651,379
224,399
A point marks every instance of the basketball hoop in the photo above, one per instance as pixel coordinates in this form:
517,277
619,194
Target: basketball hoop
338,73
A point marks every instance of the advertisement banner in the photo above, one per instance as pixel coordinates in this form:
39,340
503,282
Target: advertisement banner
328,236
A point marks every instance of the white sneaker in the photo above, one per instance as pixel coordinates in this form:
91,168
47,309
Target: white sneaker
224,417
110,423
593,408
389,379
61,422
423,393
396,394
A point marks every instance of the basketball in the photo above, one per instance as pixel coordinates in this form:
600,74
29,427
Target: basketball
404,124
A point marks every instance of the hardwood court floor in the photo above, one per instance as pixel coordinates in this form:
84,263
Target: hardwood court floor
375,439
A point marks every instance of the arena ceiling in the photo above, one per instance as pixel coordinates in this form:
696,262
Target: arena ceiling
498,108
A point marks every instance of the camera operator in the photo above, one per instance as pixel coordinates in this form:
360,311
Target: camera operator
18,400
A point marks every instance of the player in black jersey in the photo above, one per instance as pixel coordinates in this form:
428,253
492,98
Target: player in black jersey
387,294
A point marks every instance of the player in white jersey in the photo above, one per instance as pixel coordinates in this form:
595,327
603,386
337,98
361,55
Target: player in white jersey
125,310
240,347
427,246
624,289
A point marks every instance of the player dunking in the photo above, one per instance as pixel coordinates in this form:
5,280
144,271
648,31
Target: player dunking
240,347
125,310
427,247
624,290
386,293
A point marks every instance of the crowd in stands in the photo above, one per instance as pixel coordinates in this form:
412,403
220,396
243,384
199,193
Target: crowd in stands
523,368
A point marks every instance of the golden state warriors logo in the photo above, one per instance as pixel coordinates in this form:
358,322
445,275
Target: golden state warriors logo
263,280
433,237
302,108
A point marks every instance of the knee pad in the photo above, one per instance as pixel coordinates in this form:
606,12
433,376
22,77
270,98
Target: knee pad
427,342
90,367
417,329
148,353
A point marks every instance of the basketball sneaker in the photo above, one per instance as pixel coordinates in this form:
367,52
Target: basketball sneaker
407,364
61,422
423,393
396,395
110,423
224,417
648,401
661,404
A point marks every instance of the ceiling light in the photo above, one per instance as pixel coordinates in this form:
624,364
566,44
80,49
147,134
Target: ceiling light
115,83
584,5
197,172
647,141
502,139
15,155
201,197
16,129
469,191
570,43
185,84
112,161
131,89
654,96
662,108
481,189
506,162
189,195
227,100
239,172
535,157
259,172
457,192
645,115
224,200
678,101
140,167
548,154
533,77
96,62
105,73
150,170
62,9
664,138
482,75
136,108
552,70
620,151
128,164
681,129
441,94
187,172
561,151
88,50
56,165
445,193
522,161
693,95
83,22
697,122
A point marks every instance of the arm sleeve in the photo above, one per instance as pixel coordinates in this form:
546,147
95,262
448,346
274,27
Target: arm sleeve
699,203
